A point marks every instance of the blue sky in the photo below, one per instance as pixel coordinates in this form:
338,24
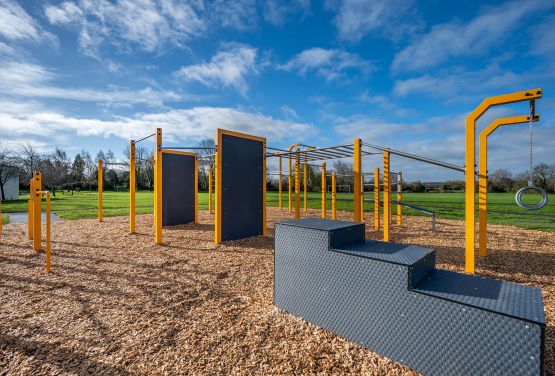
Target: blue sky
399,73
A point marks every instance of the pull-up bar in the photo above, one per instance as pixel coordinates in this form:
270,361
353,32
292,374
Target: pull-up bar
142,139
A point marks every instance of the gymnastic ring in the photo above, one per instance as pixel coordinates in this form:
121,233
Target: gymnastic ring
539,205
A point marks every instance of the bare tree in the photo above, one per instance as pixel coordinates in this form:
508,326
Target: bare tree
28,160
8,169
501,180
207,147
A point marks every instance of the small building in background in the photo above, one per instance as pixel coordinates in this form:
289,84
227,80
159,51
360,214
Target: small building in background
11,189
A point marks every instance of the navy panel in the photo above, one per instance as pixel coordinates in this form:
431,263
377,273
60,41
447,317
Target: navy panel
178,189
242,189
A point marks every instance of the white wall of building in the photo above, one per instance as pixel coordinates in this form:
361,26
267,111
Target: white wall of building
11,189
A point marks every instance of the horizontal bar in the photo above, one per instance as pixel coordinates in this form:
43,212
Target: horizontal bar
144,138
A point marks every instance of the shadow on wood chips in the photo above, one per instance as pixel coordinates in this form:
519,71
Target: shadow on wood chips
117,304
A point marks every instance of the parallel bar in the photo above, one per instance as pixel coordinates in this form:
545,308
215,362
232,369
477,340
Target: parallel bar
333,197
158,187
377,199
132,187
37,235
100,177
324,201
280,189
298,185
399,198
386,196
357,169
48,224
30,204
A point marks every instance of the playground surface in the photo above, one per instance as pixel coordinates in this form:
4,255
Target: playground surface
117,304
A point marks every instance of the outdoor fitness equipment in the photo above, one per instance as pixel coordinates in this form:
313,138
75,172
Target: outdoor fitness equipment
531,186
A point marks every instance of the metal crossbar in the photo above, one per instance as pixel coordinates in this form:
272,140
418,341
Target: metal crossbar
144,138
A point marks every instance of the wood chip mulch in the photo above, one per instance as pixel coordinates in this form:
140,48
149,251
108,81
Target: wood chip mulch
116,304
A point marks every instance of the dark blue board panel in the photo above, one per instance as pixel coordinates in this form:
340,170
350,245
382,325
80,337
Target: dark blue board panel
178,189
242,187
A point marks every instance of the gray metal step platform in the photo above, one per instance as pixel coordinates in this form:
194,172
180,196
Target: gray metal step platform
391,299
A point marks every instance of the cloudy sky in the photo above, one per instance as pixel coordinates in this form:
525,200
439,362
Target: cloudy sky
94,73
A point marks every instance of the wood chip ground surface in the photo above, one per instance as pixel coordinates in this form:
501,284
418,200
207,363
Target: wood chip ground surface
116,304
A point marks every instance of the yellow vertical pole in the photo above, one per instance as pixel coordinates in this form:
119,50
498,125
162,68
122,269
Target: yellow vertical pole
218,197
390,197
196,190
0,219
48,224
333,197
210,189
362,197
264,178
357,174
132,186
279,184
37,186
100,181
305,183
399,198
324,201
376,199
298,185
290,188
158,187
386,196
30,204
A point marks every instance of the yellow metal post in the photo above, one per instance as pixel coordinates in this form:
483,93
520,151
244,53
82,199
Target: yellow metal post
196,190
298,185
399,198
289,187
386,197
305,183
333,197
279,184
132,186
0,219
30,204
264,179
356,183
37,186
210,189
48,224
483,178
376,199
362,197
158,187
218,196
100,181
324,201
470,164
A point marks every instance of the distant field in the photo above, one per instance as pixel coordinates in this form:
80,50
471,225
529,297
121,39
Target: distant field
502,208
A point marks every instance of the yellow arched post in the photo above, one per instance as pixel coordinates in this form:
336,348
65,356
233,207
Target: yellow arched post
470,165
280,189
357,167
333,197
376,199
132,187
305,183
399,198
386,196
37,186
298,184
100,177
483,178
158,187
324,201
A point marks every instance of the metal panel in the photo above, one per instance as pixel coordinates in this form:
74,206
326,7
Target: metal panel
242,189
178,189
366,297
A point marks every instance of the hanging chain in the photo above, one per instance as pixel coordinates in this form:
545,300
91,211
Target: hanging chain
532,114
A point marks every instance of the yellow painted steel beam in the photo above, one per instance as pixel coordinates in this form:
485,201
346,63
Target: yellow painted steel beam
264,178
196,190
158,187
290,179
30,204
298,185
362,197
470,166
400,198
333,197
100,177
132,186
218,198
280,189
37,236
386,196
48,226
483,178
305,184
377,199
324,200
357,171
210,189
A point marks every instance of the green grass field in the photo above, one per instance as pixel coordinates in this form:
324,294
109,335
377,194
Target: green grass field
501,206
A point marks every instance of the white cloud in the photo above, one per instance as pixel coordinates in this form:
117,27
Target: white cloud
148,24
454,39
238,14
289,112
229,68
277,11
388,18
16,23
330,64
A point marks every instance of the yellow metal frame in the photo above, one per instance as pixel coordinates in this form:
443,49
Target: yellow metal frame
333,197
218,177
132,186
30,204
377,199
324,200
196,189
100,177
210,189
158,187
39,194
357,171
400,198
0,220
298,184
37,186
483,178
305,184
470,163
361,197
386,196
280,189
290,179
